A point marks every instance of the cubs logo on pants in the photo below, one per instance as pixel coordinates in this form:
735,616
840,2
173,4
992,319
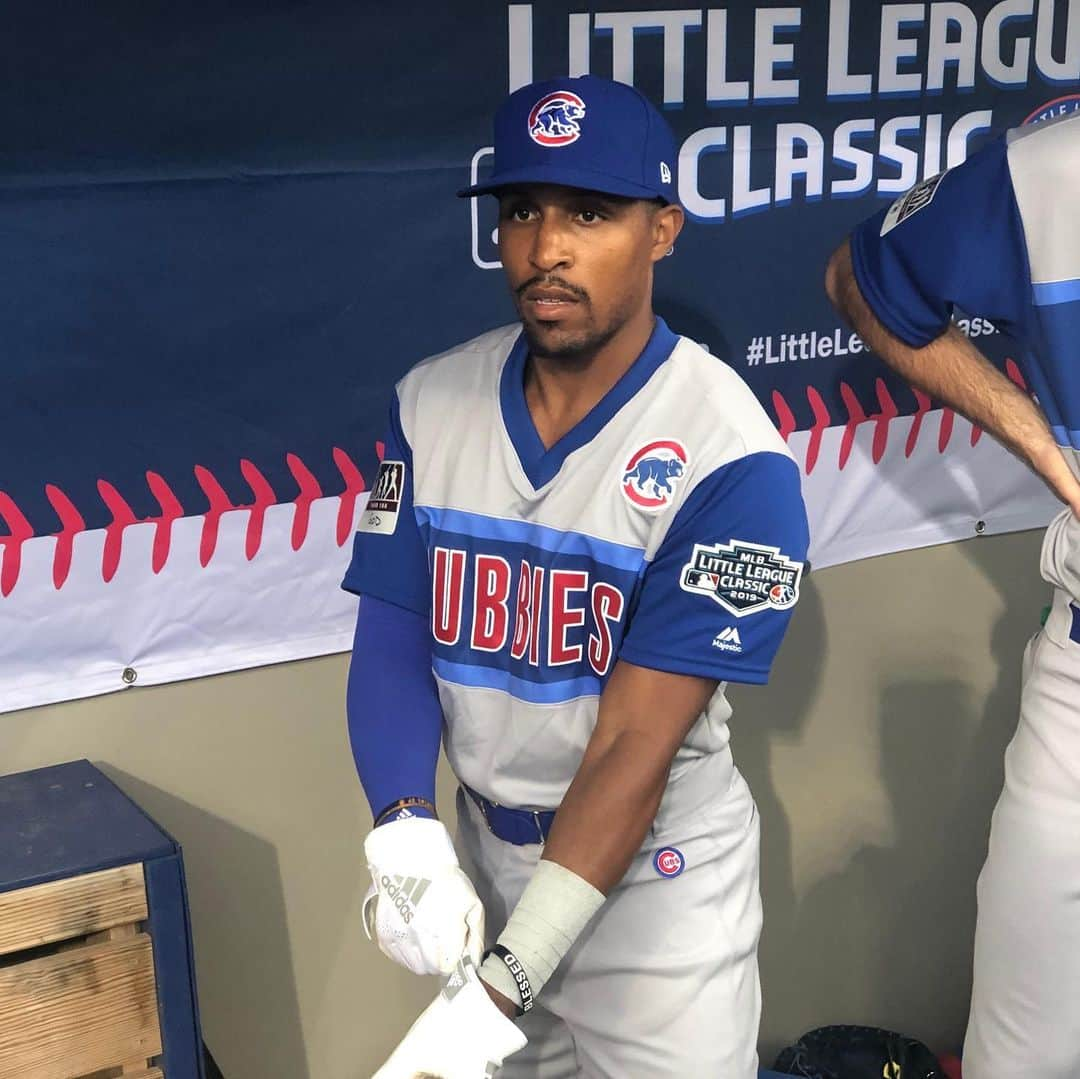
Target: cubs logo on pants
663,984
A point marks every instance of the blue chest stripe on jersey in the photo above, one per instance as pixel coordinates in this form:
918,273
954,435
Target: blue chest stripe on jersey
1064,437
1055,292
542,465
1052,370
500,529
522,689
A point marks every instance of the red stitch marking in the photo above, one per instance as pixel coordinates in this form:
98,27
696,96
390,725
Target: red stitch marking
888,413
19,531
817,431
856,415
264,499
219,503
354,485
171,510
976,434
785,417
123,517
945,431
71,523
1014,373
923,408
309,491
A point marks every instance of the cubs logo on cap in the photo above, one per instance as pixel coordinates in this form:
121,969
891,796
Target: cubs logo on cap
651,475
553,120
583,132
669,861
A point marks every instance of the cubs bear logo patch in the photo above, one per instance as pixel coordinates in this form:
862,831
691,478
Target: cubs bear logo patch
651,475
742,577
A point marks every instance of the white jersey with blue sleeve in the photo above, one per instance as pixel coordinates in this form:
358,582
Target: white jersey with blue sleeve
1000,236
667,528
997,236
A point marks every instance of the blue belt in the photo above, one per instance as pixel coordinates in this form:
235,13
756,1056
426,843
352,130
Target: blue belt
518,826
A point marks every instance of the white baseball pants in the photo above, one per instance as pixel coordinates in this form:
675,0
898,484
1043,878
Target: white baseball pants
664,981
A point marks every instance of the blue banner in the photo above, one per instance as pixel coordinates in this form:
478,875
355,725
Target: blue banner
227,231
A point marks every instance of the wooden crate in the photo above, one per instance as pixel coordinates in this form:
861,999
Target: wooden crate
96,971
78,995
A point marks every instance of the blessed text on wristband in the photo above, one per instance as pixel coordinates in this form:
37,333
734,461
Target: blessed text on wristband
517,971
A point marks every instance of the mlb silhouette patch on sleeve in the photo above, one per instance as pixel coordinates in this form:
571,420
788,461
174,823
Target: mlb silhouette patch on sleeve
918,198
384,502
742,577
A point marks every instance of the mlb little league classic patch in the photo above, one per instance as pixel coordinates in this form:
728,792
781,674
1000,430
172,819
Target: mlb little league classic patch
742,577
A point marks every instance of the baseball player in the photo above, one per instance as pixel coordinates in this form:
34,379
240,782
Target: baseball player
1000,236
595,527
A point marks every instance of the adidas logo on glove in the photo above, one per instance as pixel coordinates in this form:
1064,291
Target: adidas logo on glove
405,892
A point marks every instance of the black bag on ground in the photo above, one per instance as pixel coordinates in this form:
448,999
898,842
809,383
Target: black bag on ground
849,1052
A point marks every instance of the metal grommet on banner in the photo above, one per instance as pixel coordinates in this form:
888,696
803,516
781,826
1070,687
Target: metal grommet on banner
128,675
980,527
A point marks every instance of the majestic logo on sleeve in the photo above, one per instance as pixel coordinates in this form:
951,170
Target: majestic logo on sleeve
553,120
384,502
652,474
743,578
727,640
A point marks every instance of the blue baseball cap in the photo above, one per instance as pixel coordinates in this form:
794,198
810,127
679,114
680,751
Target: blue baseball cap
585,132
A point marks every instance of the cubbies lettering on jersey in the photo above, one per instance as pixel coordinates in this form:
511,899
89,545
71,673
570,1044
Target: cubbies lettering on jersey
526,609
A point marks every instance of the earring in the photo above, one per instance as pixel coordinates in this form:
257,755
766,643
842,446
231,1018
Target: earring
670,251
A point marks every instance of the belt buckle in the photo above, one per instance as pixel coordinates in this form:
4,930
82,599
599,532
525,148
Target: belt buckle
539,827
482,804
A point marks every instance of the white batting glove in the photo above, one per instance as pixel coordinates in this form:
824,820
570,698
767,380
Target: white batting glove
460,1035
421,908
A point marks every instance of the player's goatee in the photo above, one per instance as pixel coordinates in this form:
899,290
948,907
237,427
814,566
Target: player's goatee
555,344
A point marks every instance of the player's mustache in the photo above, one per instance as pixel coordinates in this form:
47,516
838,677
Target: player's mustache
552,282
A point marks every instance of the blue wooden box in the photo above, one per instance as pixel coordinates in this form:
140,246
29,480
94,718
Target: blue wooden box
97,974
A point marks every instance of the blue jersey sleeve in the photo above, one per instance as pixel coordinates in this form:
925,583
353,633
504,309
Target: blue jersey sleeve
956,239
392,704
717,598
389,557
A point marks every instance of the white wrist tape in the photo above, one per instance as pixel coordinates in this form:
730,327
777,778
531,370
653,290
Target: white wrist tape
553,910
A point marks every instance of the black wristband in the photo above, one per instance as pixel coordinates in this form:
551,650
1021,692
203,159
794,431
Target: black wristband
517,971
405,803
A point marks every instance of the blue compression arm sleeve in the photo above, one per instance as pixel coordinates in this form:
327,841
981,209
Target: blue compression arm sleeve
395,720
